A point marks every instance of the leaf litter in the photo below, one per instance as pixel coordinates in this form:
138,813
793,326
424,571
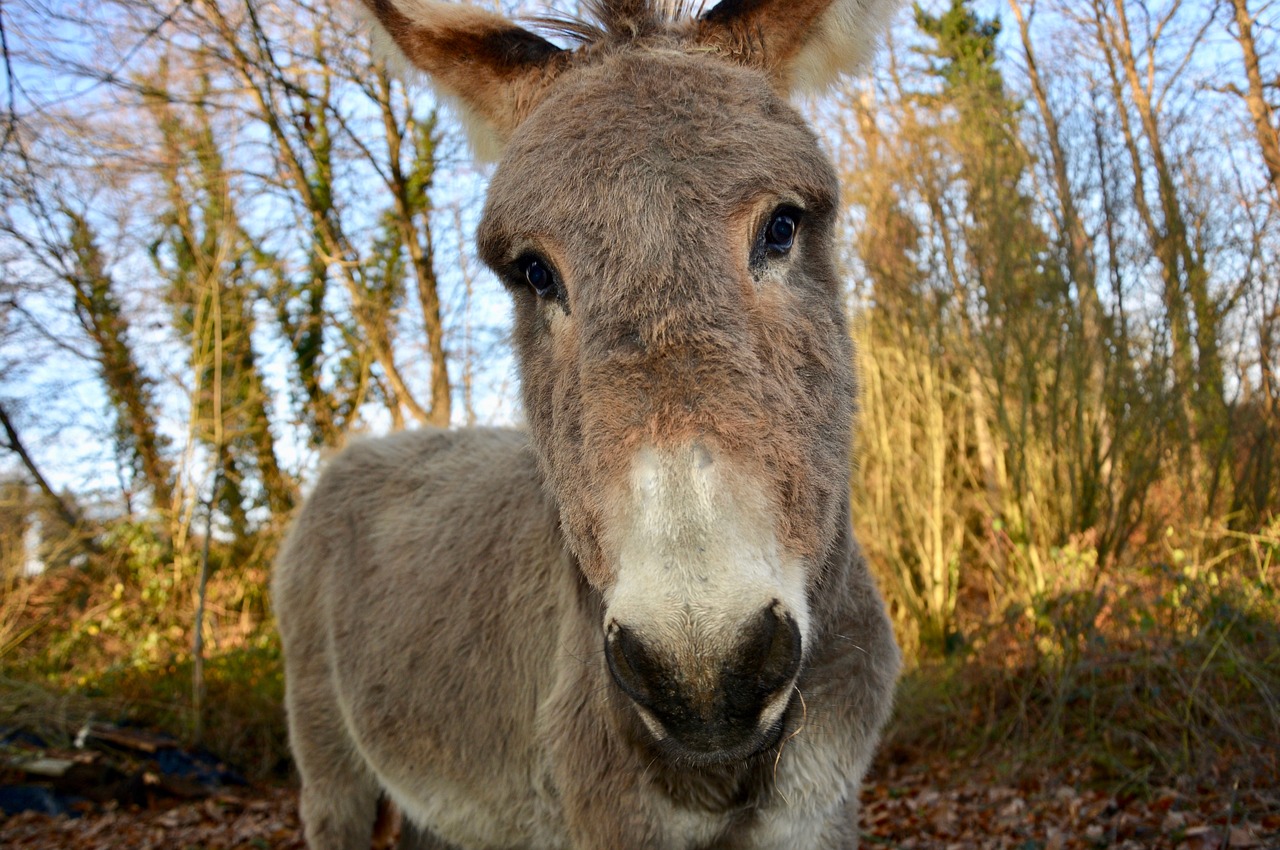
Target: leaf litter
940,807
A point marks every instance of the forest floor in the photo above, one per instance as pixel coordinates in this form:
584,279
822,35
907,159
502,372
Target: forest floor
1140,715
941,805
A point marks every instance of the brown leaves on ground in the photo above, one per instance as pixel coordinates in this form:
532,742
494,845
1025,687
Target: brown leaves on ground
263,820
920,809
917,810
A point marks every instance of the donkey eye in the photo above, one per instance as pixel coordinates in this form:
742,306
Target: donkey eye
538,274
777,237
780,232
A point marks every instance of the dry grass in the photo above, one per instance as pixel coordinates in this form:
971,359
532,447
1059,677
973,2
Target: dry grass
1170,677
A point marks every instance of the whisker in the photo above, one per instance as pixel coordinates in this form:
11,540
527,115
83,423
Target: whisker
782,745
849,641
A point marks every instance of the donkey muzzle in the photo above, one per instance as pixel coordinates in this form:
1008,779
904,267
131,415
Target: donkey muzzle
712,708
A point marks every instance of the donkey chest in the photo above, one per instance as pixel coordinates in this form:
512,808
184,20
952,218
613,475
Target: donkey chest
774,826
810,803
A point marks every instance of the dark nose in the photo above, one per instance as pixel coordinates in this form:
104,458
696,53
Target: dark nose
709,704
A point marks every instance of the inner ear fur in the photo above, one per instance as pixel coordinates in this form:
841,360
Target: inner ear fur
491,69
804,45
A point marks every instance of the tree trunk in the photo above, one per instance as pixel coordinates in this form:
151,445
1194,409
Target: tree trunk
128,389
1264,125
1167,235
1094,426
413,208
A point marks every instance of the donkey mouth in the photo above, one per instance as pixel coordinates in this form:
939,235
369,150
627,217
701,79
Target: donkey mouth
722,742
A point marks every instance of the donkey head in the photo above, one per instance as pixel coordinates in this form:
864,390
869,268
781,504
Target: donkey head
663,218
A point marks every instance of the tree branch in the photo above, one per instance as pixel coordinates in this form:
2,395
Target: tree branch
65,512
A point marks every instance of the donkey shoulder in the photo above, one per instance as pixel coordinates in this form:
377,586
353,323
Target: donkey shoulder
427,467
394,500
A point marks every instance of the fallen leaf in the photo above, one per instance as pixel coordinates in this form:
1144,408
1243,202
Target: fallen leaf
1201,838
1243,836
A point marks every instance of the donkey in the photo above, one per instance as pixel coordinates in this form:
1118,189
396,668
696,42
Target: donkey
644,623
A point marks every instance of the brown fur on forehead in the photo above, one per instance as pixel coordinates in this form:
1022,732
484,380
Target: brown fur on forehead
645,143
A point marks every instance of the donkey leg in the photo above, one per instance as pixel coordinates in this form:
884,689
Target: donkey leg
337,815
339,794
416,838
408,835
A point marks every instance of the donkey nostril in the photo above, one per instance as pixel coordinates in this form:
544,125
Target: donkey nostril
774,649
632,666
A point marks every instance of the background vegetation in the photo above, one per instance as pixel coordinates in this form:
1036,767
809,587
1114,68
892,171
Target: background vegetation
229,240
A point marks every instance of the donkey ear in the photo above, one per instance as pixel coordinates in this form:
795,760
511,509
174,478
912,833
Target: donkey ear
492,69
805,45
